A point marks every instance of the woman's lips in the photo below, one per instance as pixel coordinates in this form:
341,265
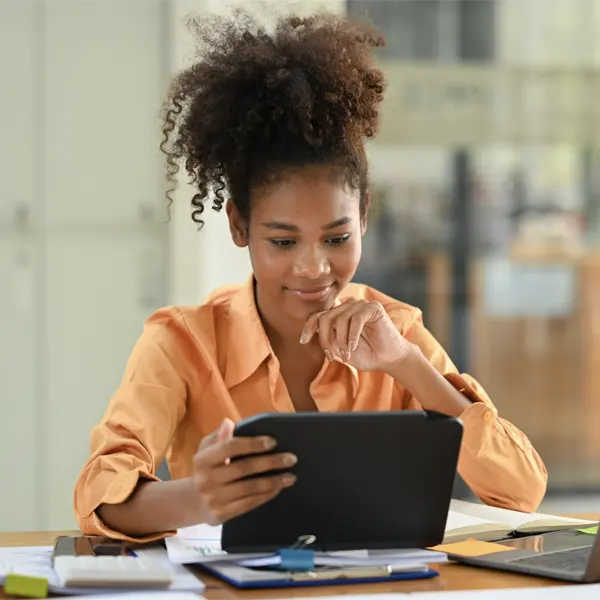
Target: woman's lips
311,294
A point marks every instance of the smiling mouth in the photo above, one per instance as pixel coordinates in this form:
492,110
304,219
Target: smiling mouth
311,294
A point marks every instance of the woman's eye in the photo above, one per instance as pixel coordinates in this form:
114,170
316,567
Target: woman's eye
338,241
282,243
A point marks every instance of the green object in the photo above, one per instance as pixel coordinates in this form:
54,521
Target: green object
590,530
26,586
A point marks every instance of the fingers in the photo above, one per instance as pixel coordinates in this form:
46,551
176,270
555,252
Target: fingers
257,486
321,323
340,328
219,453
252,466
356,324
225,486
347,328
327,337
218,497
224,432
339,325
226,492
311,327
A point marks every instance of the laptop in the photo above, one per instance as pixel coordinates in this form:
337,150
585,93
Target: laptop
565,555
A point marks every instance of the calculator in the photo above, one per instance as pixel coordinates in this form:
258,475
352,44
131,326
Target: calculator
103,563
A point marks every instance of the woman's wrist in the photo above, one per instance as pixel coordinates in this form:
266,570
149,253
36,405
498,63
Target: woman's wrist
427,385
155,506
191,504
405,369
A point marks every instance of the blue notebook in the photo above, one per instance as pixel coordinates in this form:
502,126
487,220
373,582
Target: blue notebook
246,578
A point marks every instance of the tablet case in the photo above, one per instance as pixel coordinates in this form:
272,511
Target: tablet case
365,480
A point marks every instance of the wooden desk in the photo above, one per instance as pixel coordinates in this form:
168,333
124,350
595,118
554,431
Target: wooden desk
452,577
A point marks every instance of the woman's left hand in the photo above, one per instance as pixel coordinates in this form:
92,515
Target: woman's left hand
360,333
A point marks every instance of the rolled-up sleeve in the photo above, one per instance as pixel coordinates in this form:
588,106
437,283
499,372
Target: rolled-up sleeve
497,460
132,439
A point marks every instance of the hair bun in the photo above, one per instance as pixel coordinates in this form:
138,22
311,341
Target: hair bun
307,91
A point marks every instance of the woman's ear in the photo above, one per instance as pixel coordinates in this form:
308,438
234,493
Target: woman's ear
363,219
237,225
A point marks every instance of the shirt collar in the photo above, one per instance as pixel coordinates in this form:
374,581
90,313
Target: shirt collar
248,344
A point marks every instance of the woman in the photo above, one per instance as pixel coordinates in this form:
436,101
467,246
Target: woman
277,123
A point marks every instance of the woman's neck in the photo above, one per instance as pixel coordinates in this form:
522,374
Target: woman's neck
282,330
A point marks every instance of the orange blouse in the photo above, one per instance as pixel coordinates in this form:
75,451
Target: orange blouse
194,366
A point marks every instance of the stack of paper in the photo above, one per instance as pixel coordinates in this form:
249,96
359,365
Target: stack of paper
201,544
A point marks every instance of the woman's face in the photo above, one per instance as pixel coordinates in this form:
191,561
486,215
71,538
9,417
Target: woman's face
304,238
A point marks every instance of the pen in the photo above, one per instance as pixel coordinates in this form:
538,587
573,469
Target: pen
355,572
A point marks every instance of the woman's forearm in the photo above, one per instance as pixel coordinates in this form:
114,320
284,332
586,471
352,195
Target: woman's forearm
428,386
154,507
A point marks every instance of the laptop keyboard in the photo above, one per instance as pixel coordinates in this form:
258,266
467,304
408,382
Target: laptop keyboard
569,561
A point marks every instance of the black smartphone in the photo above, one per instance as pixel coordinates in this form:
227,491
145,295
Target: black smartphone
66,545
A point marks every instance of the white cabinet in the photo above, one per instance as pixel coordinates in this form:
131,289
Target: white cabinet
95,308
104,197
83,231
104,65
19,422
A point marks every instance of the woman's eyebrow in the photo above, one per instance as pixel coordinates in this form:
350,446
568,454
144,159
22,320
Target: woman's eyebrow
280,225
289,227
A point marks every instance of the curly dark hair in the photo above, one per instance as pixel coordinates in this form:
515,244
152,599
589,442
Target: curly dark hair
256,103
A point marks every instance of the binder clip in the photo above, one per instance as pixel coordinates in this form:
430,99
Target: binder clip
297,557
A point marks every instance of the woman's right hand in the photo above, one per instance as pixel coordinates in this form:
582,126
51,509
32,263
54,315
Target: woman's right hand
218,481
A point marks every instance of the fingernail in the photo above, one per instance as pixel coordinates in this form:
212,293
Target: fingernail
290,459
288,479
348,353
304,337
328,355
269,443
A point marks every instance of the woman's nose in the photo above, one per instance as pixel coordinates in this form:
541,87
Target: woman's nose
312,264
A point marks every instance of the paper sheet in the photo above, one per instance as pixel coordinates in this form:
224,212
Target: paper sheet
361,558
199,544
202,544
36,561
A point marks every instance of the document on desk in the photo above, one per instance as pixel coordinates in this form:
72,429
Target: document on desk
202,544
199,544
36,561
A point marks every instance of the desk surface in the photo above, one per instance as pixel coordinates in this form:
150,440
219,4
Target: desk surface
452,577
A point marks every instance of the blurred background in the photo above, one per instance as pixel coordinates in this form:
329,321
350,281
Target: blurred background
488,216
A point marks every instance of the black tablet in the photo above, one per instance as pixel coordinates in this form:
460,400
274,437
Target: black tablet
365,480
